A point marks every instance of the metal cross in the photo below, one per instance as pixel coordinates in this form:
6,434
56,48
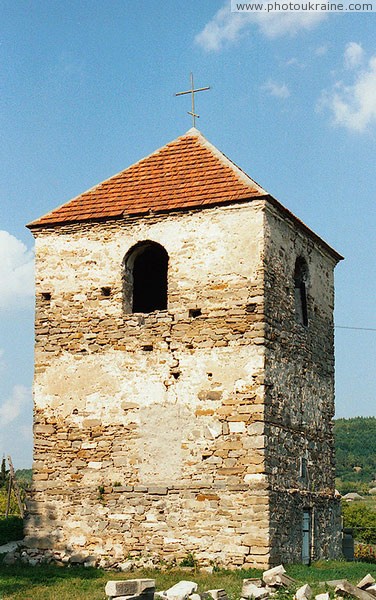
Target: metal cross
193,92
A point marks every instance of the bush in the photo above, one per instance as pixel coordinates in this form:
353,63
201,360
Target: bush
362,519
365,553
344,487
13,508
11,529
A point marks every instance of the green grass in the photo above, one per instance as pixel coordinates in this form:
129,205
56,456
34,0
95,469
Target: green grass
18,582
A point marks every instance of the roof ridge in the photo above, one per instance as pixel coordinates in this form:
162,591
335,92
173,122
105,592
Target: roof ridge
187,171
228,162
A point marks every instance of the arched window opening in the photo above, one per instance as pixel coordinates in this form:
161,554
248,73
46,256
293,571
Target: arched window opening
300,289
145,278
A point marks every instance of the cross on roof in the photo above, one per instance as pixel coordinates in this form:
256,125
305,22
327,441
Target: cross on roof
193,91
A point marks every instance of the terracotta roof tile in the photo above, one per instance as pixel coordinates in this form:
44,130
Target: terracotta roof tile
186,173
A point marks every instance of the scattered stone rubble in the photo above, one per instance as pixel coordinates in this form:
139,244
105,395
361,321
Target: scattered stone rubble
253,589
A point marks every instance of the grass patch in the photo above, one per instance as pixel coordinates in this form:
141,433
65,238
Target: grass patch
47,582
11,529
329,570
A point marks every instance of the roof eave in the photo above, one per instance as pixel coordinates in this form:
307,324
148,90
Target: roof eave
336,256
38,225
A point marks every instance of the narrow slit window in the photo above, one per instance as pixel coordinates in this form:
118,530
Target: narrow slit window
300,290
303,469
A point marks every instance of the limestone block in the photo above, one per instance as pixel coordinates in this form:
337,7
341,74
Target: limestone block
126,566
236,426
366,582
303,593
269,577
132,597
181,590
254,580
324,596
252,591
345,588
219,594
285,580
253,540
130,587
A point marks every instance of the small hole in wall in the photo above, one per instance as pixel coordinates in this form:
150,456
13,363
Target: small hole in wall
46,296
75,411
250,308
147,347
210,375
106,291
176,375
194,312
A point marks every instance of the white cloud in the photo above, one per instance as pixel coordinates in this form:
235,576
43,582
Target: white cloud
353,105
16,272
354,54
226,27
294,62
276,89
12,407
322,50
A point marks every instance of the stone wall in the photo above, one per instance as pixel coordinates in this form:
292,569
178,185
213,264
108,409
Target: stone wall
299,399
174,432
149,428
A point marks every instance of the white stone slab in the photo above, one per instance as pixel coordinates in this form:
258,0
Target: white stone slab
303,593
181,590
129,587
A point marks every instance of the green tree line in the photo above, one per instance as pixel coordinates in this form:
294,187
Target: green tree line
355,443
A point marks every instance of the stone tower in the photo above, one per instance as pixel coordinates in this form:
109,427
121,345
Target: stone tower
184,370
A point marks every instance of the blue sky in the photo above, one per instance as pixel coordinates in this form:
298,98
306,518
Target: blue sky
87,88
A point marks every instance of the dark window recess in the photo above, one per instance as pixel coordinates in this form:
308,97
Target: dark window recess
150,279
46,296
195,312
300,291
303,469
106,291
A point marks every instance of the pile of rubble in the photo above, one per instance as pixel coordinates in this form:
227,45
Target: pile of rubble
144,589
253,589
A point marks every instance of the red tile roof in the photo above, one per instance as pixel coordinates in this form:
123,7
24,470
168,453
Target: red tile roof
188,172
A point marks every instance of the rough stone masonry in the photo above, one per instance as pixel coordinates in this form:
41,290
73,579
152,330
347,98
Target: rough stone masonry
202,424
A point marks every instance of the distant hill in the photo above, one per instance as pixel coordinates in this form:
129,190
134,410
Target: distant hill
355,442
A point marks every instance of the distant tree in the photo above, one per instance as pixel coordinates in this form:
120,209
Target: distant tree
24,477
362,519
3,473
355,449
